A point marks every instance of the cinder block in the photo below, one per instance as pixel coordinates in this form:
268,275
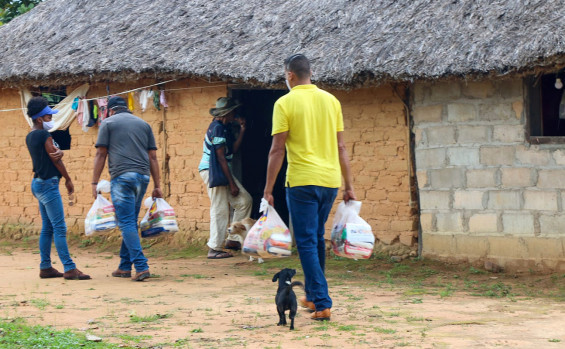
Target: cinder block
434,200
504,200
447,178
510,88
496,156
422,177
509,133
532,156
430,158
463,156
478,89
444,91
458,112
481,178
495,112
468,199
551,179
483,223
472,134
559,157
426,221
518,223
519,177
449,222
430,113
552,225
440,135
540,200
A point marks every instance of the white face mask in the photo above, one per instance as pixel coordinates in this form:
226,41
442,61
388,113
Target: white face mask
47,125
287,84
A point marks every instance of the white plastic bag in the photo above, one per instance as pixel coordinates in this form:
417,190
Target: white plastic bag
160,219
101,217
269,237
352,237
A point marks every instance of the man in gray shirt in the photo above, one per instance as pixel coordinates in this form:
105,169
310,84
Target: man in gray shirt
129,144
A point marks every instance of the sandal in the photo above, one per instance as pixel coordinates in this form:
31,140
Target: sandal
213,254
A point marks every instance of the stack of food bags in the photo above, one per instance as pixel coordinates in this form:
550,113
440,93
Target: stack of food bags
269,237
160,219
351,236
101,217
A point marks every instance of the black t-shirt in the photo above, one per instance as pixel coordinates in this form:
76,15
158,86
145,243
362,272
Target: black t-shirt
42,165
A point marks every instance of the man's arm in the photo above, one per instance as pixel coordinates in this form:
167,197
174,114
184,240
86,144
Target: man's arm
99,162
348,194
154,169
276,158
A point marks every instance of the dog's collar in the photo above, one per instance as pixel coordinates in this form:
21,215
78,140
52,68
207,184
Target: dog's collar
287,282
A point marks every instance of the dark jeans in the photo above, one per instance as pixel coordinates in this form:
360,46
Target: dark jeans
127,192
53,217
309,207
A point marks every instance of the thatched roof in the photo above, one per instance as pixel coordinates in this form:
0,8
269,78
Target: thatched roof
350,41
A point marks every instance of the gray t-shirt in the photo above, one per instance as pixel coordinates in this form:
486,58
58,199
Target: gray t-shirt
127,138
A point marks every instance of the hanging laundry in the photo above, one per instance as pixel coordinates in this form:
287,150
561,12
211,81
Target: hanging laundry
102,109
155,100
144,95
75,104
80,111
85,115
163,100
130,101
91,113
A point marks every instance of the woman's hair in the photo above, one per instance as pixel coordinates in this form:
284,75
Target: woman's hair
35,105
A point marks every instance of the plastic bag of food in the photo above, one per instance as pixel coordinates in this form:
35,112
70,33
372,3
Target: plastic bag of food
160,219
101,218
351,236
269,237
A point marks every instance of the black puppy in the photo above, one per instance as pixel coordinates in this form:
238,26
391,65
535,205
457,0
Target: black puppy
286,299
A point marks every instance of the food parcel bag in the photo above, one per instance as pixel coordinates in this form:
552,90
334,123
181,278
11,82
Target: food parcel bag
160,219
269,237
352,237
101,217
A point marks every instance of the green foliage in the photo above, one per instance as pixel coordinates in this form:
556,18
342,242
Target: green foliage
10,9
16,334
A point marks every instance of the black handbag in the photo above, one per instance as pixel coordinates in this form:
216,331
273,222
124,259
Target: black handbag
216,177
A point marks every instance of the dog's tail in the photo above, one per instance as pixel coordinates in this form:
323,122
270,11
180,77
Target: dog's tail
297,283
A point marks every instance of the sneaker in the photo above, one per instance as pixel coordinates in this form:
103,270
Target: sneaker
119,273
142,275
50,273
75,274
322,315
304,303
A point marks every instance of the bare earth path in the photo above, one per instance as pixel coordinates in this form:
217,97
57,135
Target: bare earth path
200,303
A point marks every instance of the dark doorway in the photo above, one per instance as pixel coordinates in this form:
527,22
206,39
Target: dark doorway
257,109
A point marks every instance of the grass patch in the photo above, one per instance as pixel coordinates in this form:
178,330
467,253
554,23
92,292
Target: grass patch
384,330
148,318
40,304
17,334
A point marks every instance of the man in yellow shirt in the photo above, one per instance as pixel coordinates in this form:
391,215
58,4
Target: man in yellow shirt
308,124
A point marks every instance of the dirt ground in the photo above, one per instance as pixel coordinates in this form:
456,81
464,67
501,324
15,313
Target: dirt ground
194,302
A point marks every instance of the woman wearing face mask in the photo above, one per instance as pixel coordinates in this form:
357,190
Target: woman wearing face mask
48,168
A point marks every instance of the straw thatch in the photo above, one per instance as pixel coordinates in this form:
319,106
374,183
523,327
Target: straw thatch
350,41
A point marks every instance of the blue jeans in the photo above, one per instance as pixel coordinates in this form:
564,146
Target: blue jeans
53,217
127,192
309,207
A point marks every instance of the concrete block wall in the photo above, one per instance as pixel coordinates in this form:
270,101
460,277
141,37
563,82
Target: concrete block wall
376,136
479,178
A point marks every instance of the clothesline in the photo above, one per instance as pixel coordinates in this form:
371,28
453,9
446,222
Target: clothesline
136,89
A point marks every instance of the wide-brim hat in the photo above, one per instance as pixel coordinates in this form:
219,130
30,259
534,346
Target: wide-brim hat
223,106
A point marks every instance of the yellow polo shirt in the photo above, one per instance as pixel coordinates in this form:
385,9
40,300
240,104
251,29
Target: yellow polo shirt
312,118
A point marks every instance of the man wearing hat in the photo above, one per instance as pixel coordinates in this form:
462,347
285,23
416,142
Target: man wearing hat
129,144
219,140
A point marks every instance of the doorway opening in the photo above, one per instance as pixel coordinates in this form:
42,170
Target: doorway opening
250,163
